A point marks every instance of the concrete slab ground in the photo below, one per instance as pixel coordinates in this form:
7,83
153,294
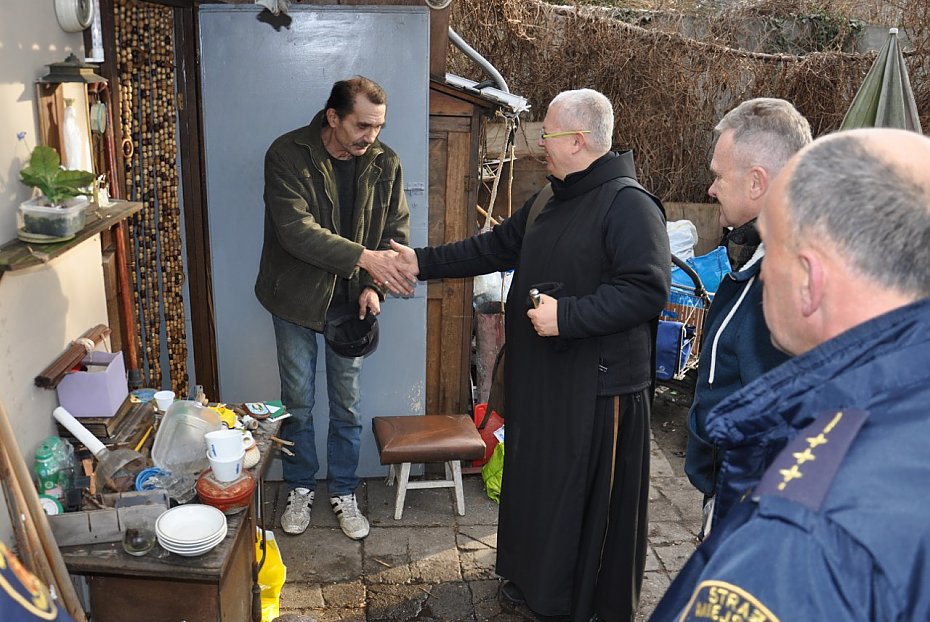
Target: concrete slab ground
436,566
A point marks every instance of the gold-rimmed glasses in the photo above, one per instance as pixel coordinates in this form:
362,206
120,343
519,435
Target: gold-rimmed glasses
545,136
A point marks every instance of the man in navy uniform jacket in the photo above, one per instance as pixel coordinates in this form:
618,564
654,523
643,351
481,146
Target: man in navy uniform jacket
826,459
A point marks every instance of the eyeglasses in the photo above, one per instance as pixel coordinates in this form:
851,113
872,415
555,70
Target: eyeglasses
545,136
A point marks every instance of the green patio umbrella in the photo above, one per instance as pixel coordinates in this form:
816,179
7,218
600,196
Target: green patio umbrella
885,98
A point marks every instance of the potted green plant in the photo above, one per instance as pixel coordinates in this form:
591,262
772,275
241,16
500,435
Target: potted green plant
59,211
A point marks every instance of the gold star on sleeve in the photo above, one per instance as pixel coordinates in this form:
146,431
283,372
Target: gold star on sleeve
804,456
816,441
789,474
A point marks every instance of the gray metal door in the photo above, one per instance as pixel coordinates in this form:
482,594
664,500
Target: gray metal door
259,81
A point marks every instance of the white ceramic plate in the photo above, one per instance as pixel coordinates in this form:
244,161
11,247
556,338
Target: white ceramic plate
174,544
214,538
190,524
218,537
181,550
190,552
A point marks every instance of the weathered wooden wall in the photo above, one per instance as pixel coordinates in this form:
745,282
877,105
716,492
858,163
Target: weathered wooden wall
454,125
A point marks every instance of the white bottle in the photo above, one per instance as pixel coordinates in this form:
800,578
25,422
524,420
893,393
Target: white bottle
77,151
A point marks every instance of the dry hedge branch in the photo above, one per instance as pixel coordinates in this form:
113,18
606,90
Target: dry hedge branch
668,91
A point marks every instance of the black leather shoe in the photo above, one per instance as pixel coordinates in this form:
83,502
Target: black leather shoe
512,594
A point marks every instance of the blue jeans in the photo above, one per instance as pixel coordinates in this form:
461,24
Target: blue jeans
297,350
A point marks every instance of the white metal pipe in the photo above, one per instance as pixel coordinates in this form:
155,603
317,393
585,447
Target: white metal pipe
478,58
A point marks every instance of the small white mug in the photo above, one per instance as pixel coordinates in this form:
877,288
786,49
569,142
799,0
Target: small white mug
227,470
224,444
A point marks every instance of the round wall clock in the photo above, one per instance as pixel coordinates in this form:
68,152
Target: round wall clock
74,15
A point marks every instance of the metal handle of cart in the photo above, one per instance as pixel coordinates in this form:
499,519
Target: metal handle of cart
699,290
688,305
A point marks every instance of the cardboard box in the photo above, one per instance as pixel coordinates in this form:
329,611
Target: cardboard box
97,392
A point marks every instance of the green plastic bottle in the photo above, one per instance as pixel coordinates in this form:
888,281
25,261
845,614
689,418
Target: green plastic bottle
47,469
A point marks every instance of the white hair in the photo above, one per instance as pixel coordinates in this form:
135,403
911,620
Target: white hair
587,110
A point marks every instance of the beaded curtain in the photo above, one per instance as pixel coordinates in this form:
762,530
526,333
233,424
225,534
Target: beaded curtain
146,70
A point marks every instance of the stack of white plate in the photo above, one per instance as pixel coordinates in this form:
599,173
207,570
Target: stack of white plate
190,530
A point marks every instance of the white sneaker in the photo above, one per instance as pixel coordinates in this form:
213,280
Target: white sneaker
353,522
296,516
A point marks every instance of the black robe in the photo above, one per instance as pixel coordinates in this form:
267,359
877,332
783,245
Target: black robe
602,238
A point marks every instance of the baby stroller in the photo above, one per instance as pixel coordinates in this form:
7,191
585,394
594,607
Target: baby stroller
681,324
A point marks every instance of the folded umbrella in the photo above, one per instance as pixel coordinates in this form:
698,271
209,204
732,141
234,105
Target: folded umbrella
885,98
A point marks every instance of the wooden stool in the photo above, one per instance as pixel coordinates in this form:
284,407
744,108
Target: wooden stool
431,438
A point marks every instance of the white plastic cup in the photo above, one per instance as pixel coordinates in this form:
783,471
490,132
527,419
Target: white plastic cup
224,444
164,399
229,469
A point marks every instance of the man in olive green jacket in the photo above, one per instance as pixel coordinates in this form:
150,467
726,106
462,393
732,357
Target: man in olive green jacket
334,196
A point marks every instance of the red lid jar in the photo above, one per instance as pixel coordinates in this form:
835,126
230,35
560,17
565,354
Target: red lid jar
228,497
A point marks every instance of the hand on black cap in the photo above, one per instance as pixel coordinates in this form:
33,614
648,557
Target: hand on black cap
368,301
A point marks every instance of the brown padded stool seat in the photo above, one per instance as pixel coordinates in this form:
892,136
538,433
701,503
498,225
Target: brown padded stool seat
427,438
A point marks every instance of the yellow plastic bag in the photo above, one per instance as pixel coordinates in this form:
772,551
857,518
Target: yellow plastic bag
493,472
272,575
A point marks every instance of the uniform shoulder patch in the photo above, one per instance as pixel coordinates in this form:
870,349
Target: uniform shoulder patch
805,468
719,600
22,595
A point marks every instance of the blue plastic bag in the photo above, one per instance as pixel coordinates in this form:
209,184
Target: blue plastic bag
673,347
711,268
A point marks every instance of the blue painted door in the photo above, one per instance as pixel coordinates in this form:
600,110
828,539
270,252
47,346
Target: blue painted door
260,80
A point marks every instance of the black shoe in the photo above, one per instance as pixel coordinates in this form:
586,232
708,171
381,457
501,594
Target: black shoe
512,594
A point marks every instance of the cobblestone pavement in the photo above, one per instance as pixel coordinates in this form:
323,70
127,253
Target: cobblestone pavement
434,565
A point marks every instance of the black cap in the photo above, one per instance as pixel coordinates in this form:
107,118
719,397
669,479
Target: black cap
346,334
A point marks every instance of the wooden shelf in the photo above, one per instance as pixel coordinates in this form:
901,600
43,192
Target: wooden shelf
18,255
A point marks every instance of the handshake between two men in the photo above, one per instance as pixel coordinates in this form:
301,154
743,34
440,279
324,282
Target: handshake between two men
396,269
